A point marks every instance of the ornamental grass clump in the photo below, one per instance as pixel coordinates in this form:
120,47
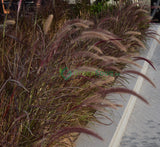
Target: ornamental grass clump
42,102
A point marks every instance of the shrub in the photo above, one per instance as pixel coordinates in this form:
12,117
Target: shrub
98,7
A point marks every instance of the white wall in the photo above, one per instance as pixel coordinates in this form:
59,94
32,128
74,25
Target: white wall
92,1
111,1
74,1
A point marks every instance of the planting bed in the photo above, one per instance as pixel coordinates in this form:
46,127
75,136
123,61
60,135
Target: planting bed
46,97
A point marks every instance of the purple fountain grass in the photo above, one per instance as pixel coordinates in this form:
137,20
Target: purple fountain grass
142,58
124,90
140,74
37,105
71,130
